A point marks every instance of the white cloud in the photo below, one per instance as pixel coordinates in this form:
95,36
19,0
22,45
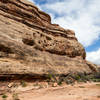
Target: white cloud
82,16
94,56
32,1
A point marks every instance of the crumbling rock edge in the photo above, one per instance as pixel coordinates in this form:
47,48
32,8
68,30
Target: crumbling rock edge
31,45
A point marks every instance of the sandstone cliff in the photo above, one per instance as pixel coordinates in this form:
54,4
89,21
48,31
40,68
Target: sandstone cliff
30,44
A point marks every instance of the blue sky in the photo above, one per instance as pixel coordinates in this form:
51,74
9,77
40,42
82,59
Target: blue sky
82,16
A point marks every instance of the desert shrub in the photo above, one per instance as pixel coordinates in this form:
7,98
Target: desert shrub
96,77
70,78
15,96
4,96
23,83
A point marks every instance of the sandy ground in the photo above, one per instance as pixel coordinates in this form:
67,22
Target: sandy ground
82,91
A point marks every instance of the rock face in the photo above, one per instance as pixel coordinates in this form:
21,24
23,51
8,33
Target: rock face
31,44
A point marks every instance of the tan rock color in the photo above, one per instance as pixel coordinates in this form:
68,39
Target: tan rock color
31,44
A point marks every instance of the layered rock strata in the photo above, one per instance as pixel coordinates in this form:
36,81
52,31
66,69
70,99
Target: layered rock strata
31,44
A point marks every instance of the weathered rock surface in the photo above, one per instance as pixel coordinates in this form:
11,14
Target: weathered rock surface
31,44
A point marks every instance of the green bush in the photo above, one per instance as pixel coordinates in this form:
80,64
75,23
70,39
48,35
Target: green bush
23,83
4,96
